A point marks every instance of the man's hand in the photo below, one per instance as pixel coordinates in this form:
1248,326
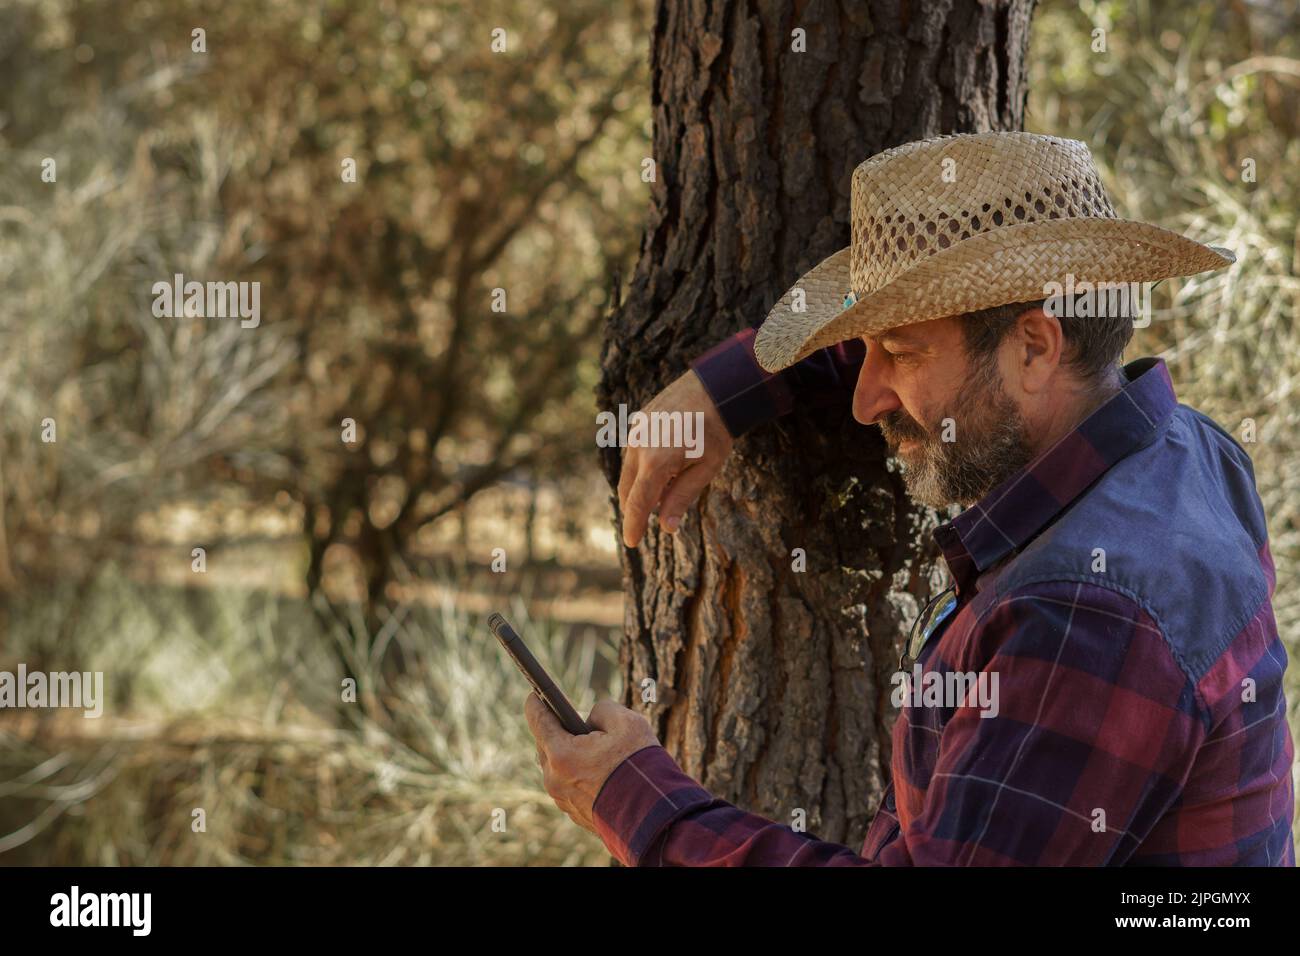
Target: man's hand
574,768
665,477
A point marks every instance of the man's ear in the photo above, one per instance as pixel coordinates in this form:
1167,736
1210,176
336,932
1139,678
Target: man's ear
1040,344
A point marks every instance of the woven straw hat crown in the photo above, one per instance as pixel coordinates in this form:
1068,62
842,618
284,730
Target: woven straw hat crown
958,223
926,196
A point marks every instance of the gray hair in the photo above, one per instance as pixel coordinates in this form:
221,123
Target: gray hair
1093,345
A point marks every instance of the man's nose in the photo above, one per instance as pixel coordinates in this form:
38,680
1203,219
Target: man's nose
873,397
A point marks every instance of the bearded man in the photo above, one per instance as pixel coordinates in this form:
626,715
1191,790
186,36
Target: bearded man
1110,570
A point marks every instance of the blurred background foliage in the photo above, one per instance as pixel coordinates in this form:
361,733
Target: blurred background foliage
475,171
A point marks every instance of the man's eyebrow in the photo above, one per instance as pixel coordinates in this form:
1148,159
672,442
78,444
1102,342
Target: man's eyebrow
897,335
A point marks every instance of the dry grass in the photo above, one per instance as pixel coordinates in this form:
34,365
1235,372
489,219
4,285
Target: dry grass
432,767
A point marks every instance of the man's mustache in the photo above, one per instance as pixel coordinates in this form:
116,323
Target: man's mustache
897,427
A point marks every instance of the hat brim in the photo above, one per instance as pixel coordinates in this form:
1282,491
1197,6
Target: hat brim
1010,264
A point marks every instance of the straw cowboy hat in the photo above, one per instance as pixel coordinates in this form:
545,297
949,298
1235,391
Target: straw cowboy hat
952,224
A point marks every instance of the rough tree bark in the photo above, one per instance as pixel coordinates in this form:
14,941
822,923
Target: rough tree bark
773,686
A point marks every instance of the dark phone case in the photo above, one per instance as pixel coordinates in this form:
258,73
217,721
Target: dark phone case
546,688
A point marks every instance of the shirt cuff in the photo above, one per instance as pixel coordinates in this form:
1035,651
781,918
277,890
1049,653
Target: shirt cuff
640,800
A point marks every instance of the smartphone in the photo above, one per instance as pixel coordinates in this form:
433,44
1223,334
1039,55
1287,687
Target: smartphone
546,688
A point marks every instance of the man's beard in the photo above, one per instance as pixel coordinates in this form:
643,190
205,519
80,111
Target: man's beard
990,444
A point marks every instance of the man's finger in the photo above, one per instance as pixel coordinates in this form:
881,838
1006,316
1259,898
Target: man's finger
604,715
632,461
650,483
546,727
680,495
627,474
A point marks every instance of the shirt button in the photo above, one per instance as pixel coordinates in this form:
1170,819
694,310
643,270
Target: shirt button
889,801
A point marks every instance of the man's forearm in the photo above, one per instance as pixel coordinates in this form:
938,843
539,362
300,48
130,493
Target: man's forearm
746,395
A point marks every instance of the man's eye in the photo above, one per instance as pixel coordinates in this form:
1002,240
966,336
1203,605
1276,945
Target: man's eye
893,356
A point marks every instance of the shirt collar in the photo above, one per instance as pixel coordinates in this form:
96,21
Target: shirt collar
1015,511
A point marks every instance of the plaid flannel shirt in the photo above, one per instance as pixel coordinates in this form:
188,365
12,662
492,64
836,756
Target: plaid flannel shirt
1119,587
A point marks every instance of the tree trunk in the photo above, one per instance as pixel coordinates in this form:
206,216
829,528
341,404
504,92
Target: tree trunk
773,685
